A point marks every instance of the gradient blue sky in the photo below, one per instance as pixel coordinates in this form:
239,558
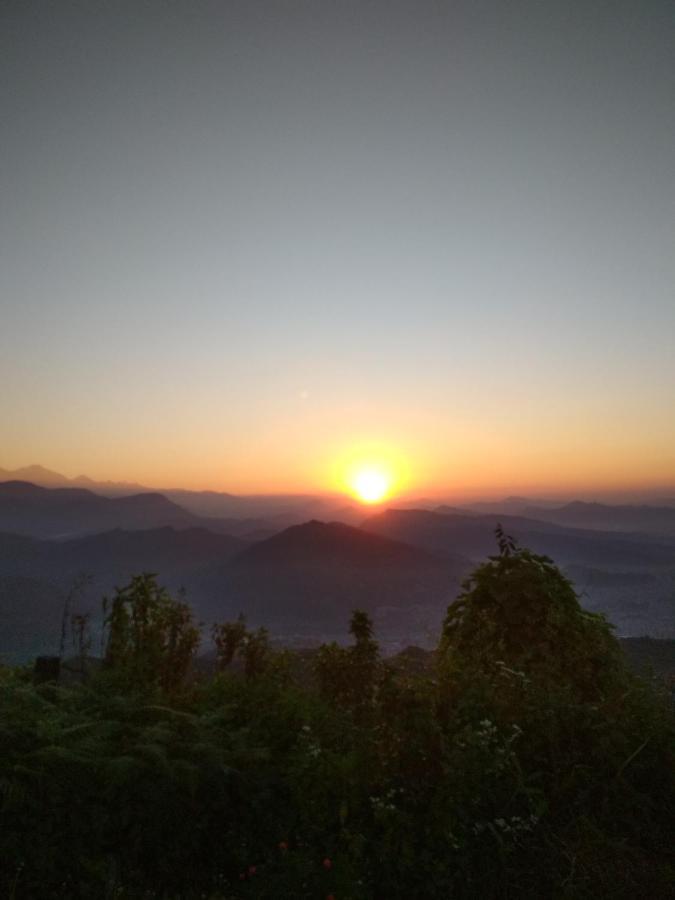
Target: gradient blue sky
239,240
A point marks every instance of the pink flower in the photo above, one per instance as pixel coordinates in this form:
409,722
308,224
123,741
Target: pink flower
251,870
327,864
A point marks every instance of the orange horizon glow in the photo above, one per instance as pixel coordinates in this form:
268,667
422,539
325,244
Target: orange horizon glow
302,449
373,472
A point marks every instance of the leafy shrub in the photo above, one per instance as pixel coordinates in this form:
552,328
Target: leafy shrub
151,638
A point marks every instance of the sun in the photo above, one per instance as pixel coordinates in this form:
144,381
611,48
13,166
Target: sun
369,471
371,485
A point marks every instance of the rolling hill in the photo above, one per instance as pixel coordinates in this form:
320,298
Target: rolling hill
71,512
36,575
306,579
640,518
332,543
63,512
309,577
658,520
473,536
402,565
629,577
279,510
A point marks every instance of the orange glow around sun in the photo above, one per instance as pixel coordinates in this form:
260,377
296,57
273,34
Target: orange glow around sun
371,474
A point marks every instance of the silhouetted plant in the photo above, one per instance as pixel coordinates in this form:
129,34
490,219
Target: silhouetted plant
257,652
151,638
520,610
228,638
233,639
349,675
79,585
79,623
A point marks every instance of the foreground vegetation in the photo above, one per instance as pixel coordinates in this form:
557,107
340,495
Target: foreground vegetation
528,763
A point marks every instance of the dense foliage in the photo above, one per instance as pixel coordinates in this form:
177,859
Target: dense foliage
151,638
525,762
519,610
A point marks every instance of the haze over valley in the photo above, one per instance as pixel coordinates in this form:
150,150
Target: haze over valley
299,564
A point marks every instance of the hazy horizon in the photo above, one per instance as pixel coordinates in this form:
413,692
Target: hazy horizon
245,243
620,494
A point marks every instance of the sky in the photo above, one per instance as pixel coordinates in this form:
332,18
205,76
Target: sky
243,244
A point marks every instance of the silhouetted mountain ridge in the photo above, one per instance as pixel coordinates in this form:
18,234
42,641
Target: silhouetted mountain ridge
37,474
287,509
332,542
68,512
473,536
403,565
627,518
629,577
638,518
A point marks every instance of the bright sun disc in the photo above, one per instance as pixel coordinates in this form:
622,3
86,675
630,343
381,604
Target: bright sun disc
371,485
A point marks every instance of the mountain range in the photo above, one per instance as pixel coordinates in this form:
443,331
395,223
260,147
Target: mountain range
281,509
266,513
68,512
629,577
403,565
638,518
44,477
304,580
473,536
